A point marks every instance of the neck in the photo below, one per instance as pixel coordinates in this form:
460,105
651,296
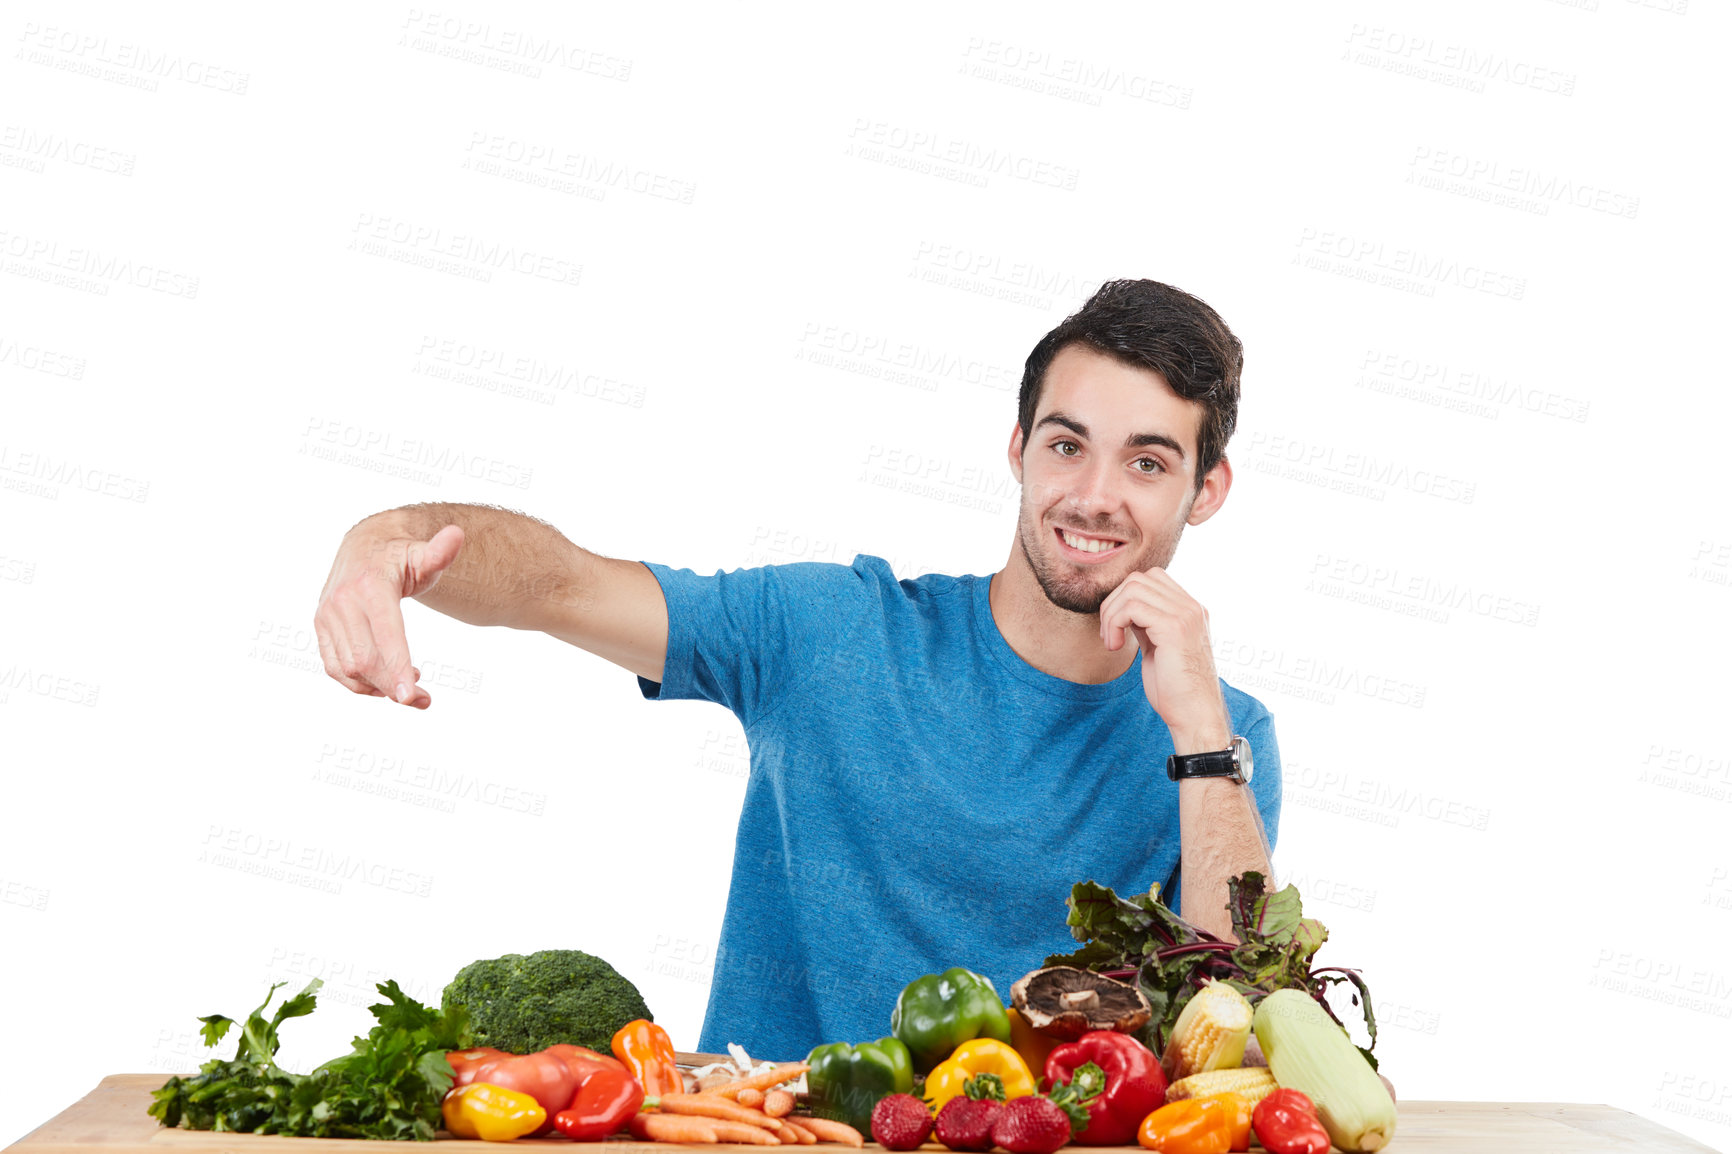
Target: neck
1053,640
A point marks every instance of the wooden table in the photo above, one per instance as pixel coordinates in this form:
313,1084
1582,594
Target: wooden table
111,1119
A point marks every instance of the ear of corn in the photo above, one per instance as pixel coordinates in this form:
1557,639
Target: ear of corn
1252,1083
1308,1051
1210,1034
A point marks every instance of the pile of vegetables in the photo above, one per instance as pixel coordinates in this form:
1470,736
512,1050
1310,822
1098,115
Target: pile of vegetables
1144,1035
1154,1032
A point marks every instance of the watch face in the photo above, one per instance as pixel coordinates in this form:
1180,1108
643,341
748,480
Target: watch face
1242,754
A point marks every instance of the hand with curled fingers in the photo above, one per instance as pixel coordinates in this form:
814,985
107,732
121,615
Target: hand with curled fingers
359,621
1171,629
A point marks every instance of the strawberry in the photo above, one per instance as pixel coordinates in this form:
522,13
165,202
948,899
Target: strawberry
966,1123
900,1122
1031,1125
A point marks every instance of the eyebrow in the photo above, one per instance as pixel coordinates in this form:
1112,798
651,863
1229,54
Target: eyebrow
1134,441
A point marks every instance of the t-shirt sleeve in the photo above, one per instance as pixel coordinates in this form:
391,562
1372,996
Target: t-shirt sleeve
1266,775
745,638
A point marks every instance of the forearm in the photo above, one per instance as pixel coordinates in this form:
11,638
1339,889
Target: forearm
514,570
1220,837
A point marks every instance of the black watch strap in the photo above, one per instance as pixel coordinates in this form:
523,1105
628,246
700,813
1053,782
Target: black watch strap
1218,763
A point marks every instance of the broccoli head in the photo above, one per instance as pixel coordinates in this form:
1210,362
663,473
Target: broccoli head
523,1003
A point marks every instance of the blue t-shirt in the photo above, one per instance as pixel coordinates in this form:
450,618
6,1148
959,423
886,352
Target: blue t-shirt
920,797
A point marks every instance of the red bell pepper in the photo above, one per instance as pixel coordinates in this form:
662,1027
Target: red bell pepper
606,1100
1286,1123
1119,1080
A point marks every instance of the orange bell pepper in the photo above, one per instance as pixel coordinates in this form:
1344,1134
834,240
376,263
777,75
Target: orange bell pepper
1034,1046
1189,1126
1239,1110
648,1053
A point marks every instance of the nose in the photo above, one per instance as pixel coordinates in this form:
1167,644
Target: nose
1095,490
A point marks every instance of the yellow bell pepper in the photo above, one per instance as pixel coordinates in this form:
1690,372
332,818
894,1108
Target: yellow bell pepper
491,1113
981,1056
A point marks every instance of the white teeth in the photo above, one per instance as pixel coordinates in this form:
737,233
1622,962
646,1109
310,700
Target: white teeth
1086,545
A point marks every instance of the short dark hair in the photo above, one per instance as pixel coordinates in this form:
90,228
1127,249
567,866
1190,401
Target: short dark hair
1151,325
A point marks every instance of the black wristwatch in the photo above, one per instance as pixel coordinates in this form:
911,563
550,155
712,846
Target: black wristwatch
1233,763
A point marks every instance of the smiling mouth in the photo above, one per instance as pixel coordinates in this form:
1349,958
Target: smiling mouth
1082,546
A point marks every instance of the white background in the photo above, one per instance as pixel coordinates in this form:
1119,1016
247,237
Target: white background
265,276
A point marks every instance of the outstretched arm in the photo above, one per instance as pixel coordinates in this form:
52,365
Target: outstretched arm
486,566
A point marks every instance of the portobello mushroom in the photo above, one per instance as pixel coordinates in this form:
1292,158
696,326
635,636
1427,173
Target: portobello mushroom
1065,1002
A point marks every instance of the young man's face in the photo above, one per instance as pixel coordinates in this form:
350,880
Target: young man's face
1108,477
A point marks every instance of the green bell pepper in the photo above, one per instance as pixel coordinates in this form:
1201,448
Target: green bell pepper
939,1012
847,1081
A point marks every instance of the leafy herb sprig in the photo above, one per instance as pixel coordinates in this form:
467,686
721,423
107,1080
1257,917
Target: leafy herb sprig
388,1086
1171,959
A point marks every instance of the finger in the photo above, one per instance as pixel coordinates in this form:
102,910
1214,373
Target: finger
357,652
397,676
333,641
425,560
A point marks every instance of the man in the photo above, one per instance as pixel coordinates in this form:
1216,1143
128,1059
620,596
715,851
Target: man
933,762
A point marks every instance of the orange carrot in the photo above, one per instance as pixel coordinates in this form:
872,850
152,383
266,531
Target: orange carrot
778,1103
786,1134
712,1106
750,1097
801,1135
827,1131
784,1073
668,1128
744,1132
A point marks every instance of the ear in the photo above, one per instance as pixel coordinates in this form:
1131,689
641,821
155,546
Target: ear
1016,452
1213,495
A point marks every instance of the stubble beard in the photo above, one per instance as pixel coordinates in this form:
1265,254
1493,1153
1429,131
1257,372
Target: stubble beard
1079,591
